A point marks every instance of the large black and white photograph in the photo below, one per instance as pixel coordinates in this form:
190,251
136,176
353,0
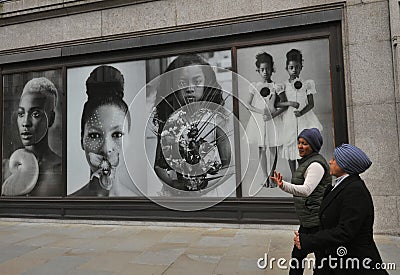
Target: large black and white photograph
101,117
189,135
32,143
285,89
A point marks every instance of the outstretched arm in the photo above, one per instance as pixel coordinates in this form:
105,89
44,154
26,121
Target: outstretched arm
313,176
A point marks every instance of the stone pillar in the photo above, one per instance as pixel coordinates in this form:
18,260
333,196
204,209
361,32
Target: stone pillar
372,105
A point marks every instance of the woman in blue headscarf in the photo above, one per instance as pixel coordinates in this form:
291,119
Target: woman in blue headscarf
307,185
346,219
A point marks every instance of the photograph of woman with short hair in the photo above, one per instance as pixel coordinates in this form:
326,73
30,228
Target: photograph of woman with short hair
33,168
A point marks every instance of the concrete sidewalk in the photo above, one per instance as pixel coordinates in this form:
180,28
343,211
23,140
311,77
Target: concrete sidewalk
68,247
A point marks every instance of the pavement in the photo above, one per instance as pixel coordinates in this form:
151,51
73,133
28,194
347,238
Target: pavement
52,247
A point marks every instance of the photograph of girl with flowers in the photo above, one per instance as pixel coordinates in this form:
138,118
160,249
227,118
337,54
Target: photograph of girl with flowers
313,58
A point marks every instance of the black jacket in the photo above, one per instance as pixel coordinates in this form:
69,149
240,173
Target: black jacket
346,221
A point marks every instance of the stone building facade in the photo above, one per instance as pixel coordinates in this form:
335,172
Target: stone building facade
39,30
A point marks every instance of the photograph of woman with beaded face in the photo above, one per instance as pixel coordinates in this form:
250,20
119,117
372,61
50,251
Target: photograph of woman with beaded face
32,144
95,160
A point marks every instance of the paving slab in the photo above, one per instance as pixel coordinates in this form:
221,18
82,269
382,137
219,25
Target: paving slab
76,248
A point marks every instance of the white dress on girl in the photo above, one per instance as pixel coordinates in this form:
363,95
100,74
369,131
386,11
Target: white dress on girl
260,132
292,125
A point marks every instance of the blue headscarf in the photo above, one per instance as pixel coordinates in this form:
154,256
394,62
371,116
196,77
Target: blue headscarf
313,137
351,159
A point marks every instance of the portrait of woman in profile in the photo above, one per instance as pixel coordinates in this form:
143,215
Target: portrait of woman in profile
102,129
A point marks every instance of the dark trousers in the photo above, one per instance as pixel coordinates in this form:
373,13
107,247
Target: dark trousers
301,254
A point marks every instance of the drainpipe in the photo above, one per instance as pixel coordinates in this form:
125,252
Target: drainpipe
394,17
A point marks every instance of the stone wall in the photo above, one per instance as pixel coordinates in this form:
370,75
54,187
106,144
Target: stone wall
372,102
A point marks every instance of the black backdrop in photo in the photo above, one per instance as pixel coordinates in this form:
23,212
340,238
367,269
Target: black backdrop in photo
12,90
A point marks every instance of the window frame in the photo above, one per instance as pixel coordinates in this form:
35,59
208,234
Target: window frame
302,26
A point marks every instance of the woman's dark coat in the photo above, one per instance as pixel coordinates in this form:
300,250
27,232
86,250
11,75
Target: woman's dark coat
346,220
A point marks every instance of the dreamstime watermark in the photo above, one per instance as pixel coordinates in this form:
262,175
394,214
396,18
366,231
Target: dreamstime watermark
330,262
